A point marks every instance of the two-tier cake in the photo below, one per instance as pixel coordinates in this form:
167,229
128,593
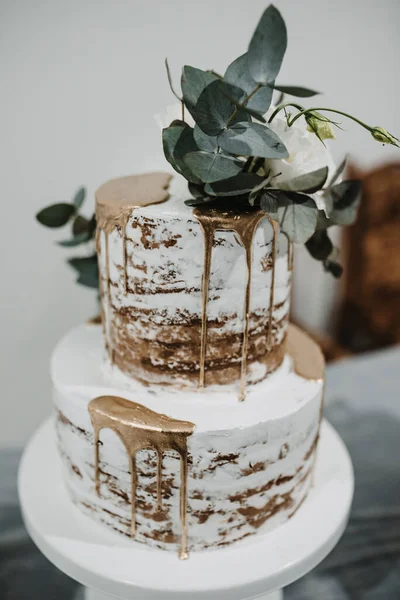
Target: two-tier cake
190,419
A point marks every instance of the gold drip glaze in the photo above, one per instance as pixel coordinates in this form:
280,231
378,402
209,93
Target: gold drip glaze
244,225
107,259
124,252
115,201
290,256
140,428
275,229
308,360
290,251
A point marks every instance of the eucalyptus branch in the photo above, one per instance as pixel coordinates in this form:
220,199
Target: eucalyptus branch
170,81
243,103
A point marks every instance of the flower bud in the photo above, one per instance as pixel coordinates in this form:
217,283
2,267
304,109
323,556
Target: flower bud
381,135
320,125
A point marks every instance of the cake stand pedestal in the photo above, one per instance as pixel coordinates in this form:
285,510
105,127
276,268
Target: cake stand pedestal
112,566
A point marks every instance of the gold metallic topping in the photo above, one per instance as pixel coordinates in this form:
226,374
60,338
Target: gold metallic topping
140,428
308,360
116,199
244,225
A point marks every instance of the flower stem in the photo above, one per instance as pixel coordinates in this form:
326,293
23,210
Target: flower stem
282,107
338,112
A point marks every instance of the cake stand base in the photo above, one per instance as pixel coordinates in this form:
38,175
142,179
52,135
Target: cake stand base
93,595
112,566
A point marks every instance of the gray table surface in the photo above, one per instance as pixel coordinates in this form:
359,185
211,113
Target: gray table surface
363,403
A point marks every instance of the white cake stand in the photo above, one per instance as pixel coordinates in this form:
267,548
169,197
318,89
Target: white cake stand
113,566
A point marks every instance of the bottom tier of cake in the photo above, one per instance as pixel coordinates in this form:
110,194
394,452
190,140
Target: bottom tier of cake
210,472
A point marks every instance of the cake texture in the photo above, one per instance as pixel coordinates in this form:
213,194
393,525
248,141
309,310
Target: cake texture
155,254
190,419
249,464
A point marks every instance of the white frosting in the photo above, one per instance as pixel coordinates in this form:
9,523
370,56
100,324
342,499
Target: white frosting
274,428
166,280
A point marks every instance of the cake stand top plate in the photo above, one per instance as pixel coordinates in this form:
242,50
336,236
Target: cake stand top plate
112,564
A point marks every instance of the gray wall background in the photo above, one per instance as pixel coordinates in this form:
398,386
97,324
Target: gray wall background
80,83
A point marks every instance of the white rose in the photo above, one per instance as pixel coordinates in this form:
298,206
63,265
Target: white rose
306,153
171,113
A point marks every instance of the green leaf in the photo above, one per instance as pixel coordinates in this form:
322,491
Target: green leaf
79,238
240,184
178,140
252,139
193,82
196,190
210,167
79,198
214,109
80,225
269,204
294,90
199,201
267,46
319,245
239,76
56,215
208,143
308,183
297,215
338,172
258,188
333,267
345,197
87,270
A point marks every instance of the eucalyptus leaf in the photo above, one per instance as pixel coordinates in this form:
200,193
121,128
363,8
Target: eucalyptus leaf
345,198
269,204
319,245
199,201
196,190
193,82
87,270
338,172
80,225
79,198
294,90
79,238
215,110
333,267
252,139
258,188
56,215
267,46
238,185
238,75
308,183
178,140
208,143
210,167
297,215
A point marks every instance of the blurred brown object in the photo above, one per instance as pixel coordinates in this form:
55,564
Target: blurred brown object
369,316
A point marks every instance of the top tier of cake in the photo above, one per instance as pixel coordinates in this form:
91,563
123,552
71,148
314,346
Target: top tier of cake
189,296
